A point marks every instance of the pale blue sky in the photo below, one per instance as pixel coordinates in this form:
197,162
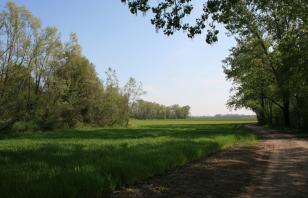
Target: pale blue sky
173,70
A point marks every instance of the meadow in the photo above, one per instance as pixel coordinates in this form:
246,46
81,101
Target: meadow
90,161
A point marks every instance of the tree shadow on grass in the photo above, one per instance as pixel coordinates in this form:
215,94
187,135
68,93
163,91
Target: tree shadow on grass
55,170
70,164
183,131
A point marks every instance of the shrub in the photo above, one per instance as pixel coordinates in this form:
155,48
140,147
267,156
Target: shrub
24,126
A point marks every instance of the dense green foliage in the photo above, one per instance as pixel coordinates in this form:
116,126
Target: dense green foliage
87,162
269,65
150,110
46,84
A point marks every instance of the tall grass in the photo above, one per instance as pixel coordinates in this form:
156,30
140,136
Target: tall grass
88,162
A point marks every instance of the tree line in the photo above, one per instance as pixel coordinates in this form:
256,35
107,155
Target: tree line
269,64
47,84
150,110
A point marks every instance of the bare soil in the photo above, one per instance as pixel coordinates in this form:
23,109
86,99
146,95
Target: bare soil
277,166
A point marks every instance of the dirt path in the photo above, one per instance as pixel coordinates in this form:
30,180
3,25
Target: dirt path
277,166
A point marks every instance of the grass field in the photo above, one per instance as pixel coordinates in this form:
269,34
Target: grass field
87,162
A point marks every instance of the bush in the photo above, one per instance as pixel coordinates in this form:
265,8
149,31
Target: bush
23,126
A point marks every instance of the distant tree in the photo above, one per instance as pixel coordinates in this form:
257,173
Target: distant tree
151,110
132,91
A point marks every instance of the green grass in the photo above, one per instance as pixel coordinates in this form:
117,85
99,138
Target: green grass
87,162
192,121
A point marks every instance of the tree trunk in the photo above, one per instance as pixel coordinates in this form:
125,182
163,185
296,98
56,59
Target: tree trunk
286,113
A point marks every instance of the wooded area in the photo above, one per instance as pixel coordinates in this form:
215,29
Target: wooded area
269,65
150,110
47,84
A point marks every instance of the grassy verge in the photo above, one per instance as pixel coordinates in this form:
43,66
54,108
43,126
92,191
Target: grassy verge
87,162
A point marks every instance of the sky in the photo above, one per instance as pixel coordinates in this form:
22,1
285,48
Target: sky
173,70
